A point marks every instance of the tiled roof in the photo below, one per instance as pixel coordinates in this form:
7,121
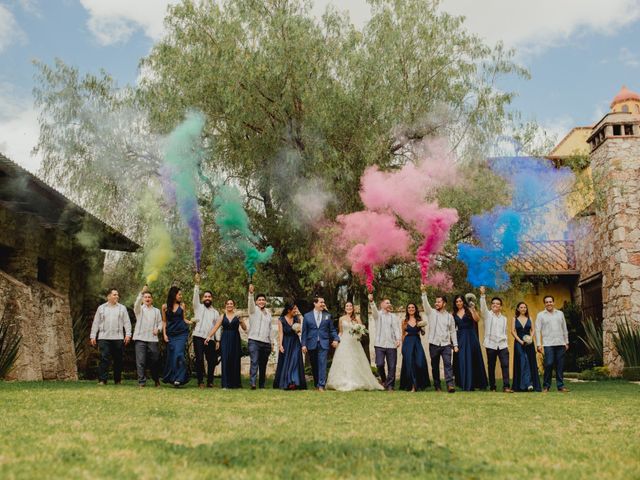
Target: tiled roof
23,192
553,257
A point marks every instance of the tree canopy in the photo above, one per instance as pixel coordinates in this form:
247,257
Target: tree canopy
296,107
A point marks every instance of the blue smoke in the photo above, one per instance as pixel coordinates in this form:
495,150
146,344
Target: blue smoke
534,213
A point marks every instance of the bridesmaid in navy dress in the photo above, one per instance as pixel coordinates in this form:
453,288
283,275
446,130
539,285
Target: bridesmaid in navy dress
290,369
176,333
414,375
525,366
468,364
230,345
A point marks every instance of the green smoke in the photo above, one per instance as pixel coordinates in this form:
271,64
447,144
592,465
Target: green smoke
233,224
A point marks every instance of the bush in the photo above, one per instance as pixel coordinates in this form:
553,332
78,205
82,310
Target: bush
596,373
593,339
627,343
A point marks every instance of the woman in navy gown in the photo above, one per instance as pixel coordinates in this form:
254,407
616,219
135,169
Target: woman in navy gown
175,329
414,375
230,345
468,364
525,366
290,369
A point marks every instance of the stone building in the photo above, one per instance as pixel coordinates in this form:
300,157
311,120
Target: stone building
602,254
51,260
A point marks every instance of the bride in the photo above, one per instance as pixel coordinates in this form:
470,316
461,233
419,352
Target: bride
350,369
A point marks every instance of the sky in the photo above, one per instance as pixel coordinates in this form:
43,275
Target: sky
579,52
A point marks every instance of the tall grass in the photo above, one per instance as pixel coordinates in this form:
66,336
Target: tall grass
627,343
9,344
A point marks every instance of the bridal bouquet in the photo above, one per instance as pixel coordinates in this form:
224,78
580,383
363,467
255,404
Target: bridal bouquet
527,339
358,330
421,323
296,327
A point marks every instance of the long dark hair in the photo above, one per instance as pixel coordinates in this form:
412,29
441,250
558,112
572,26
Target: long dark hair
465,305
406,316
171,297
287,308
352,316
518,307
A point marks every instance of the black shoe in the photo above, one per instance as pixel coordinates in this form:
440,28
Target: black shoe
451,390
253,387
492,389
209,385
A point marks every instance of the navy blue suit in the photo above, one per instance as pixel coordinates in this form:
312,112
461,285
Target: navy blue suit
318,340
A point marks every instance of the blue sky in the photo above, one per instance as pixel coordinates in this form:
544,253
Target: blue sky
580,52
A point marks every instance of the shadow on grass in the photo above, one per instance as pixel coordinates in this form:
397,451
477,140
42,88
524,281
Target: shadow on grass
307,459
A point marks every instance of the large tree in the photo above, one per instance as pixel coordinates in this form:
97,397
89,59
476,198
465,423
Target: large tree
295,107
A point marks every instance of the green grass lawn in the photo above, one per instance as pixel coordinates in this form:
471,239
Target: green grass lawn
80,430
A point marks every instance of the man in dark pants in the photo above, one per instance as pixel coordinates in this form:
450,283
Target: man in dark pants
205,319
145,337
552,327
259,338
443,339
387,341
111,331
495,340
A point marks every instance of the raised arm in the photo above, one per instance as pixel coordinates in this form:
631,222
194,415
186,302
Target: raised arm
374,307
474,314
484,311
425,301
251,307
137,305
196,302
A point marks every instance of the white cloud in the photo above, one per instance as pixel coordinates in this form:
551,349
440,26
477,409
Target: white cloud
115,21
10,31
536,26
18,127
628,58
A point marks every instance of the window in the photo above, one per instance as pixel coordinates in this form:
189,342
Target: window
45,271
625,108
592,300
628,129
617,130
6,258
637,108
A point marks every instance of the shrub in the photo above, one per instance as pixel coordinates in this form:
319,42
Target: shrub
593,339
596,373
627,343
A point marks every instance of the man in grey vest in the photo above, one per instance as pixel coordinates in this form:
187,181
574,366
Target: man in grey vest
145,337
259,338
387,341
205,319
111,331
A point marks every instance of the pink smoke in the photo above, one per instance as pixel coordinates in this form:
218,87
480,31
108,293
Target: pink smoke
407,194
371,238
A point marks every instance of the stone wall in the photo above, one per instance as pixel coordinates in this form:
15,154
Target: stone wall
41,316
46,278
616,235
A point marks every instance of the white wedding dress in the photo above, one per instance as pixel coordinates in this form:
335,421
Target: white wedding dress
350,369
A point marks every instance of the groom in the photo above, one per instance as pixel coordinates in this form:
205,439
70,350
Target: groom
317,333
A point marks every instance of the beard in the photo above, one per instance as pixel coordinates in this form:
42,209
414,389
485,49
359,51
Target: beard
207,303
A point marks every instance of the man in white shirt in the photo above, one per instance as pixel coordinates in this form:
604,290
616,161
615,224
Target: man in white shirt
259,338
205,319
111,331
387,341
552,326
495,340
443,340
145,337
